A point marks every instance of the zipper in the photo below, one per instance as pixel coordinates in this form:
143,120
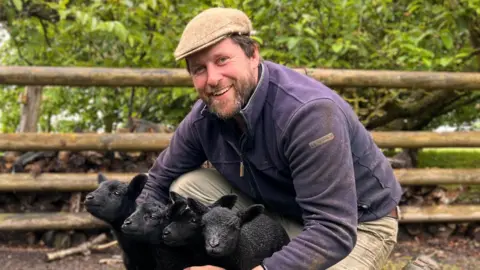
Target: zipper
243,164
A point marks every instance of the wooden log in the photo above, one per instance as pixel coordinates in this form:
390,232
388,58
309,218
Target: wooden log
85,141
437,176
425,139
82,248
160,141
49,221
88,181
78,221
66,182
85,76
440,213
105,246
61,182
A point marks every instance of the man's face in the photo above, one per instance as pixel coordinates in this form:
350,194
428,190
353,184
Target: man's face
224,77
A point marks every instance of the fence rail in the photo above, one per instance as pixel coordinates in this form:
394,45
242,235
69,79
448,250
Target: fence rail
67,182
88,76
83,220
159,141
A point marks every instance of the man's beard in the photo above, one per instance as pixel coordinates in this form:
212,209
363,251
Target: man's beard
243,90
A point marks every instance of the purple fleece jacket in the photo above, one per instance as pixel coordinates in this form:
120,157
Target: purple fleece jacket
305,155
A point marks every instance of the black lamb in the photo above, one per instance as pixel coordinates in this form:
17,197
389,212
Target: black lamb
147,224
113,201
185,229
241,239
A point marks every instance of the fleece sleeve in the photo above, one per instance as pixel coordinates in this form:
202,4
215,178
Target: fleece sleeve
183,154
317,145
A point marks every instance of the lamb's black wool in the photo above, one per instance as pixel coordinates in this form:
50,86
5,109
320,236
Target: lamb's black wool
240,239
185,229
113,201
147,224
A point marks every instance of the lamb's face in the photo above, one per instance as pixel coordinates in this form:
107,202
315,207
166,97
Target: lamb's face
221,231
184,226
107,201
147,222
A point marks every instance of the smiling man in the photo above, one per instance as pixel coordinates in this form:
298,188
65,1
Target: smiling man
282,139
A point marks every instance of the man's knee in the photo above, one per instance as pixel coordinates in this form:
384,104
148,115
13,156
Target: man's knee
205,185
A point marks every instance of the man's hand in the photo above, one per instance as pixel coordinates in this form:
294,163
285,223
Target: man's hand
258,268
205,267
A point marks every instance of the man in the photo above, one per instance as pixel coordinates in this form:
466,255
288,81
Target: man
279,138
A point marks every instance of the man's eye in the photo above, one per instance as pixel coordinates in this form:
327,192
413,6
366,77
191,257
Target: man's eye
198,70
222,60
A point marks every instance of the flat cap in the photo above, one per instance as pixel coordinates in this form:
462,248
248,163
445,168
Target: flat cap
209,27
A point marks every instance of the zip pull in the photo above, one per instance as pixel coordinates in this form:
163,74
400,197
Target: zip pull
241,168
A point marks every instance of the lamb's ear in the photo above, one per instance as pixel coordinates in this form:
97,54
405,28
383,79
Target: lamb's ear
196,206
175,197
227,201
251,212
136,185
101,178
176,208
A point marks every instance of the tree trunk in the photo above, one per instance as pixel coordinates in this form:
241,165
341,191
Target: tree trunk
31,101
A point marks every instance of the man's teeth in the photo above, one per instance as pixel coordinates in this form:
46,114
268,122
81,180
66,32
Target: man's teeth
221,92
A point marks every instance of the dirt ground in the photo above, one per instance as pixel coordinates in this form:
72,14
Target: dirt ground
456,253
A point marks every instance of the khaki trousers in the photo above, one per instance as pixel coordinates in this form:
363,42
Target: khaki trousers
375,239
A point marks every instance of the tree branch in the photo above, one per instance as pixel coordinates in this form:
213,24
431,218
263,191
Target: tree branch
45,33
394,111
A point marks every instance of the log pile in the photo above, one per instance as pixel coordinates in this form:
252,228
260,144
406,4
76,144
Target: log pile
423,195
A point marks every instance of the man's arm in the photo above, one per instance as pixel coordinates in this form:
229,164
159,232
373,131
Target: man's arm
183,154
317,146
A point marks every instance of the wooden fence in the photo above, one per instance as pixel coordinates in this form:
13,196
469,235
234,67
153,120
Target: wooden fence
70,182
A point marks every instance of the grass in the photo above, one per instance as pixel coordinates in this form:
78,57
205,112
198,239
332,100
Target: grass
449,158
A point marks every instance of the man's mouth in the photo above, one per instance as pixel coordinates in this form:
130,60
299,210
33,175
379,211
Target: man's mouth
222,91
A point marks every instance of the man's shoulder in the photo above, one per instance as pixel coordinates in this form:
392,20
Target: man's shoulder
290,86
290,90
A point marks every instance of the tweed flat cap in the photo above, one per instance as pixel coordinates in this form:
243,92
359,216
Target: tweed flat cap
209,27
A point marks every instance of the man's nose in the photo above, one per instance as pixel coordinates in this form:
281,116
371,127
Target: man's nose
214,76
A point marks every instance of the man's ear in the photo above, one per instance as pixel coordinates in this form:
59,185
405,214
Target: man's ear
255,58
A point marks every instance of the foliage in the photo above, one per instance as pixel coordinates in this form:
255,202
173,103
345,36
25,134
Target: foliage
373,34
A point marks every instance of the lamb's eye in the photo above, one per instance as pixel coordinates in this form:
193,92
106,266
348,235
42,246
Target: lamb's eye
116,193
193,220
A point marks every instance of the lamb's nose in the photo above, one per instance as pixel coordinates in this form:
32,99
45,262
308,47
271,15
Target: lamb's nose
213,242
166,232
89,197
127,221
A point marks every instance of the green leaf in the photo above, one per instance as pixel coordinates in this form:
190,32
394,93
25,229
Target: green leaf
120,31
337,47
18,4
292,42
447,40
445,61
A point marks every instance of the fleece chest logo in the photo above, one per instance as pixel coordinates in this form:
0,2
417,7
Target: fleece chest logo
322,140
